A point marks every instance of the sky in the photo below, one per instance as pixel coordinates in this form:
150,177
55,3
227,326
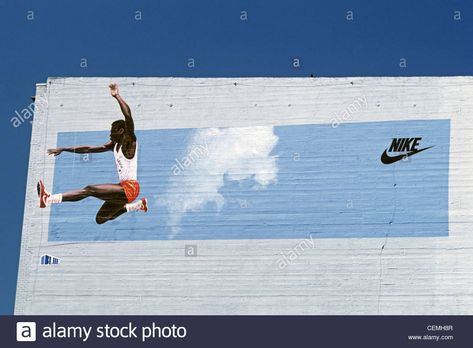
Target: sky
204,38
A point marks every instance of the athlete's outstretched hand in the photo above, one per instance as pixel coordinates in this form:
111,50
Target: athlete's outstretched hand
54,152
113,89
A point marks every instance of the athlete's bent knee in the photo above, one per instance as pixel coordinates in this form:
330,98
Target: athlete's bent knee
90,190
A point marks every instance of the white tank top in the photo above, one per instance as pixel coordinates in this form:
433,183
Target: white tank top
127,168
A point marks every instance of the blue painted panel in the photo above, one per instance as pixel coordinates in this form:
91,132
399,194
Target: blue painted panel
265,183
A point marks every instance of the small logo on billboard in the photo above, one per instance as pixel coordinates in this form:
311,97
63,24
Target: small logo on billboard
26,331
49,260
405,146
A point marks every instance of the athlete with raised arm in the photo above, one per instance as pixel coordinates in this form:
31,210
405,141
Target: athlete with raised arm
118,197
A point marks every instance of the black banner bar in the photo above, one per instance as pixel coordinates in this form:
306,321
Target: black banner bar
236,331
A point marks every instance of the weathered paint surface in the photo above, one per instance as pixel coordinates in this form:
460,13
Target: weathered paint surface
386,274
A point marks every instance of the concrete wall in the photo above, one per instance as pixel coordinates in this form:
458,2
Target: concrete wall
428,275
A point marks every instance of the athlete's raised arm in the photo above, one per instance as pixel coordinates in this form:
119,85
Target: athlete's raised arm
130,126
82,149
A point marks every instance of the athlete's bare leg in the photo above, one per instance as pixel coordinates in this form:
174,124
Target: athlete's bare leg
116,201
106,192
109,211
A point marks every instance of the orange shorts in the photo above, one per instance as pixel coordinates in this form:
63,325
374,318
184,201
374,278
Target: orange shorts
131,188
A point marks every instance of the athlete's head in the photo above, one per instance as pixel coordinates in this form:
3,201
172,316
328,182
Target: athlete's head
118,128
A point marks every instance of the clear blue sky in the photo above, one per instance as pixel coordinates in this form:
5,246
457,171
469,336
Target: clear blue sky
170,32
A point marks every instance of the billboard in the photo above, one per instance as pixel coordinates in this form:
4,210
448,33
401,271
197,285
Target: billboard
249,196
254,182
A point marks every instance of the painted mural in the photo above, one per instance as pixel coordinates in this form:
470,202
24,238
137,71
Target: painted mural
352,180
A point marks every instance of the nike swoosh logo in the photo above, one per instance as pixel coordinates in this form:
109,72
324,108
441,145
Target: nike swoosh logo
386,159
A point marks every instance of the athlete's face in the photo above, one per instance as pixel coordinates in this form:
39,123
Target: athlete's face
116,133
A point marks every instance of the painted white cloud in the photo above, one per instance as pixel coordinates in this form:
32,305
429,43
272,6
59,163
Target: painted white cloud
234,153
